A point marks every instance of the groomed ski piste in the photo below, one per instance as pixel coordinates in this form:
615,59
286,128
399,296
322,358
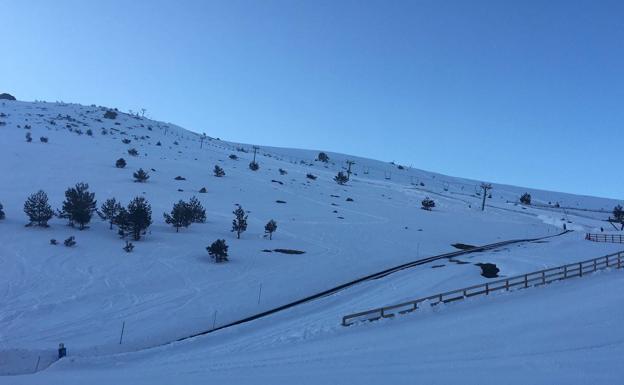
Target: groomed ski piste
168,288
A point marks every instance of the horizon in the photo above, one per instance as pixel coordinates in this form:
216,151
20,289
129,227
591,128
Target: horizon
504,88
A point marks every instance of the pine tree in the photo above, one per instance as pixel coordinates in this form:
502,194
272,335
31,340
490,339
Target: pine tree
28,137
1,212
38,210
140,176
254,166
525,199
180,215
270,228
79,205
239,224
618,213
122,222
427,204
109,211
197,211
218,171
138,218
323,157
184,214
341,178
218,250
120,163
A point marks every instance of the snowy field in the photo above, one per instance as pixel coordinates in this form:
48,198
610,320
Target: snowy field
566,332
168,287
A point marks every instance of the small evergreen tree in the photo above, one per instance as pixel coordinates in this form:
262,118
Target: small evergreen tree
110,114
133,152
2,216
38,210
270,228
180,215
109,211
323,157
254,166
618,213
28,137
341,178
79,205
427,204
218,250
141,176
282,171
311,176
197,211
525,199
138,217
239,223
122,222
120,163
218,171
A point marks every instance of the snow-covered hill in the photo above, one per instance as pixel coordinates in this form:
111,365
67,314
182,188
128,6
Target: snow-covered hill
168,287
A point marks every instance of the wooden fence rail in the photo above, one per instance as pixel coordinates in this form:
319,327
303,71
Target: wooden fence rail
535,278
612,238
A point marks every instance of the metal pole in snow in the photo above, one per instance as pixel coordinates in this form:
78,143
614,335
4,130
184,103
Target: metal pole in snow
123,326
214,320
259,294
37,367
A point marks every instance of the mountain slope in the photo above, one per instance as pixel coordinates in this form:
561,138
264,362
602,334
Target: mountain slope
168,287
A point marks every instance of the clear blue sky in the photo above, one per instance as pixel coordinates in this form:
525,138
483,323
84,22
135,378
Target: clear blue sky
521,92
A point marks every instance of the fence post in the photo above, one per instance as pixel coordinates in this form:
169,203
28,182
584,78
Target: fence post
543,277
580,269
595,265
487,288
526,281
565,272
507,285
619,260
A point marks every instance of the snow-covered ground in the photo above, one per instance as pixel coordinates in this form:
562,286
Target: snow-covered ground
168,288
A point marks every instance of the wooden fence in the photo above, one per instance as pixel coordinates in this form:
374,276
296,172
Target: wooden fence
612,238
535,278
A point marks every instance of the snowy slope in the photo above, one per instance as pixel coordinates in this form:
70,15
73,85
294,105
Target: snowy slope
566,332
168,288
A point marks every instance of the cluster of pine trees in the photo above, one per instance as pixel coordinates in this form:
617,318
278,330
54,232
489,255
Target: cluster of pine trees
132,221
80,205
